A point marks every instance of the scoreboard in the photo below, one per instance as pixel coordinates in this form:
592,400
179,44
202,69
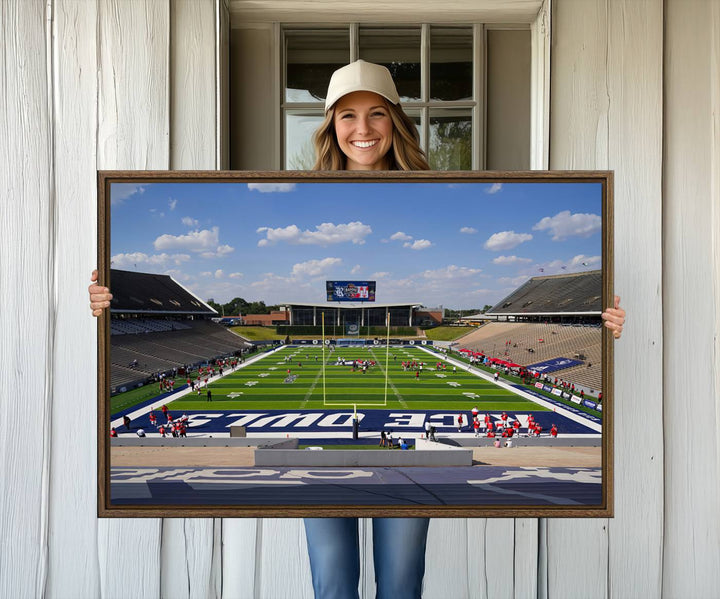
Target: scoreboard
350,291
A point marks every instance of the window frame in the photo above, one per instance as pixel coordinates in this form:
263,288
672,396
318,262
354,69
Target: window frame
535,14
476,106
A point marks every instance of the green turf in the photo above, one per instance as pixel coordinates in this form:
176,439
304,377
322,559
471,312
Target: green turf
447,333
261,386
257,333
128,399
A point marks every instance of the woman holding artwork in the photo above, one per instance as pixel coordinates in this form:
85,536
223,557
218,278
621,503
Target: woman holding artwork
365,129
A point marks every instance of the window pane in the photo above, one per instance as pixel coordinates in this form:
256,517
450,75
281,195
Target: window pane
299,149
414,115
451,56
311,58
450,145
399,51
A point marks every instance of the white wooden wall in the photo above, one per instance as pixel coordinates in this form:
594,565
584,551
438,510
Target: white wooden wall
635,87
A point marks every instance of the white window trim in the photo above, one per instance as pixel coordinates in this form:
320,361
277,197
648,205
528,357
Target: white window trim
536,14
540,89
384,11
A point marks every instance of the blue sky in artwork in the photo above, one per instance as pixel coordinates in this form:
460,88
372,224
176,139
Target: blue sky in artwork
459,245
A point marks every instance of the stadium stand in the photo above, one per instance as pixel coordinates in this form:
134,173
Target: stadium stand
569,341
147,293
545,318
144,325
577,294
157,325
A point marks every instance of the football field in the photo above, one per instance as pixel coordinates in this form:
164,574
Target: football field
293,378
312,393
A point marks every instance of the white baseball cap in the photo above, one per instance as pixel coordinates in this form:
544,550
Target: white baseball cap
361,76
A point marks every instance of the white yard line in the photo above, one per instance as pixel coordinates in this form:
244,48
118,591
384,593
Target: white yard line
311,389
390,383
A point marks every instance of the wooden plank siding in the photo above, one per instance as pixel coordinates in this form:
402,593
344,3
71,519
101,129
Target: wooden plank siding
86,85
692,365
133,133
606,112
27,324
72,549
190,566
579,101
635,137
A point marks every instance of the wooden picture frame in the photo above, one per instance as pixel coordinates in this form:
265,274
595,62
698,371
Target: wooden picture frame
532,248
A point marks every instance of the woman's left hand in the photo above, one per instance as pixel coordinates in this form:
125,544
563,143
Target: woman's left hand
615,318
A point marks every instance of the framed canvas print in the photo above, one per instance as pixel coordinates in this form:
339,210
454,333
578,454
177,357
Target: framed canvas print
355,344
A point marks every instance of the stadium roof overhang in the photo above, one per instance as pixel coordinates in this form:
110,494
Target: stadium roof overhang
592,313
164,312
353,305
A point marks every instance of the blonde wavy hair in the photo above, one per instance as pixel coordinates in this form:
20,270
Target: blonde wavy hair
405,153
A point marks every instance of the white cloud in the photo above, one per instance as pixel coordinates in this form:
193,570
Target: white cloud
506,240
380,275
418,244
189,221
219,273
314,268
205,242
324,234
400,236
451,272
564,225
224,250
236,275
172,204
355,269
581,261
194,241
122,191
140,258
271,187
451,285
511,260
468,230
513,282
494,188
207,273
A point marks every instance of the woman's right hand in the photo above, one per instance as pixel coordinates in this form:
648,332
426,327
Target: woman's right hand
99,296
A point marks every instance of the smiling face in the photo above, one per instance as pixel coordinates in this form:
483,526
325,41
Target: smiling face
364,130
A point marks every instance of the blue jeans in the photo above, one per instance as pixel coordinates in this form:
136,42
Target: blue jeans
398,554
